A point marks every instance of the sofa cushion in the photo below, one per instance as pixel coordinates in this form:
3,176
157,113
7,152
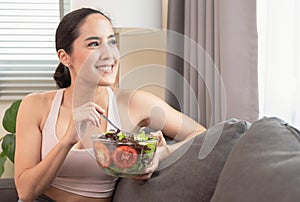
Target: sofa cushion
8,191
263,166
191,172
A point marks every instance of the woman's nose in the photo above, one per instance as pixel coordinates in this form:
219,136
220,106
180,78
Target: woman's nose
105,52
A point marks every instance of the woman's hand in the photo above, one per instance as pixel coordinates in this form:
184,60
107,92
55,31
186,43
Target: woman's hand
161,153
83,117
88,113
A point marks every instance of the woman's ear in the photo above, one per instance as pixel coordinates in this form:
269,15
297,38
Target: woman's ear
63,57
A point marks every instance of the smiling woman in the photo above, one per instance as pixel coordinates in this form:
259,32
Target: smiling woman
54,128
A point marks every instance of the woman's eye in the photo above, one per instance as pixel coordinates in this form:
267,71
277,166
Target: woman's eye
95,43
112,42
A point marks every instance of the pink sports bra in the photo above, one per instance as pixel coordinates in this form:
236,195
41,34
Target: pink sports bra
80,174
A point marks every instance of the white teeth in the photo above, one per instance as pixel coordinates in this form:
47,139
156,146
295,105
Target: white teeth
105,68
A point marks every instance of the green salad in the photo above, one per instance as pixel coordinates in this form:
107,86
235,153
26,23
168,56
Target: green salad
125,154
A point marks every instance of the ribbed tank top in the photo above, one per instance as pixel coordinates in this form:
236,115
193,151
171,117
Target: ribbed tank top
80,174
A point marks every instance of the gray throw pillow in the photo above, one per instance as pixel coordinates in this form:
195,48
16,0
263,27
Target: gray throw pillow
190,177
264,165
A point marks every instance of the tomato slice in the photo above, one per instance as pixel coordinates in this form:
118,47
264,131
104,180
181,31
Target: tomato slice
124,156
103,155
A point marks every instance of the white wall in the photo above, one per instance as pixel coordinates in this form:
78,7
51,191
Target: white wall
143,60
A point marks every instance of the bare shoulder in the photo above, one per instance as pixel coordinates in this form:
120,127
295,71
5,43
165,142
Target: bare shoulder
38,100
136,95
135,92
36,106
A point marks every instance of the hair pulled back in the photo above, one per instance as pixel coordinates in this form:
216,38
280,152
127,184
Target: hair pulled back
66,33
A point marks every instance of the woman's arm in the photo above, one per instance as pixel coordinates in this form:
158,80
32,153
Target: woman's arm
161,116
33,175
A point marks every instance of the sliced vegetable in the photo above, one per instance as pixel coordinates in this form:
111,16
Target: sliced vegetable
121,136
103,154
141,136
124,156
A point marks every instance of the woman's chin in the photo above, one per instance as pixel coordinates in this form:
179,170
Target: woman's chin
106,82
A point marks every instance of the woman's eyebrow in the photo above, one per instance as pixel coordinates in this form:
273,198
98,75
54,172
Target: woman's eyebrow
92,38
98,38
111,36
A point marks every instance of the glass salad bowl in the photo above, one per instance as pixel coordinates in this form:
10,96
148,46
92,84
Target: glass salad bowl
124,154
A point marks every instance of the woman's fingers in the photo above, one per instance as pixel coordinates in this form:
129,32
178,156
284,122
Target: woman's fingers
161,139
153,166
89,112
99,109
160,152
143,177
148,173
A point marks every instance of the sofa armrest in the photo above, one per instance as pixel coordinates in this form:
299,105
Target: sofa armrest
183,175
8,190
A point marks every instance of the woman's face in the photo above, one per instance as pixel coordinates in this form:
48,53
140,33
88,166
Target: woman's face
96,51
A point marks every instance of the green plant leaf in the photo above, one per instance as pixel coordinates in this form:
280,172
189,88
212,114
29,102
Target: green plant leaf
8,146
2,162
10,117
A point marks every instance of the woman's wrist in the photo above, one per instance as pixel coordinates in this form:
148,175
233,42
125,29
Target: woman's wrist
66,143
164,152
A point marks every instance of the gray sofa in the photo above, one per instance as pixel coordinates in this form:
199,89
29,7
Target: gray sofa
232,161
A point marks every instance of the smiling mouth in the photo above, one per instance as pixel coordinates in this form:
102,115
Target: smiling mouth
105,69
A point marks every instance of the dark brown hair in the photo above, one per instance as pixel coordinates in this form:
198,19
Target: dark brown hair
66,33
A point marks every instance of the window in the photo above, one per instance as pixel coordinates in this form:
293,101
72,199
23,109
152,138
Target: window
27,46
279,48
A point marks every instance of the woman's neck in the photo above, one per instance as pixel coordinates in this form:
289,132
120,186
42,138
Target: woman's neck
80,95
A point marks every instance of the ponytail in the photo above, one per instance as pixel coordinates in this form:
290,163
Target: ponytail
62,76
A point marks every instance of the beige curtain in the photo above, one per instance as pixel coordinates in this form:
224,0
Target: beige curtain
212,59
